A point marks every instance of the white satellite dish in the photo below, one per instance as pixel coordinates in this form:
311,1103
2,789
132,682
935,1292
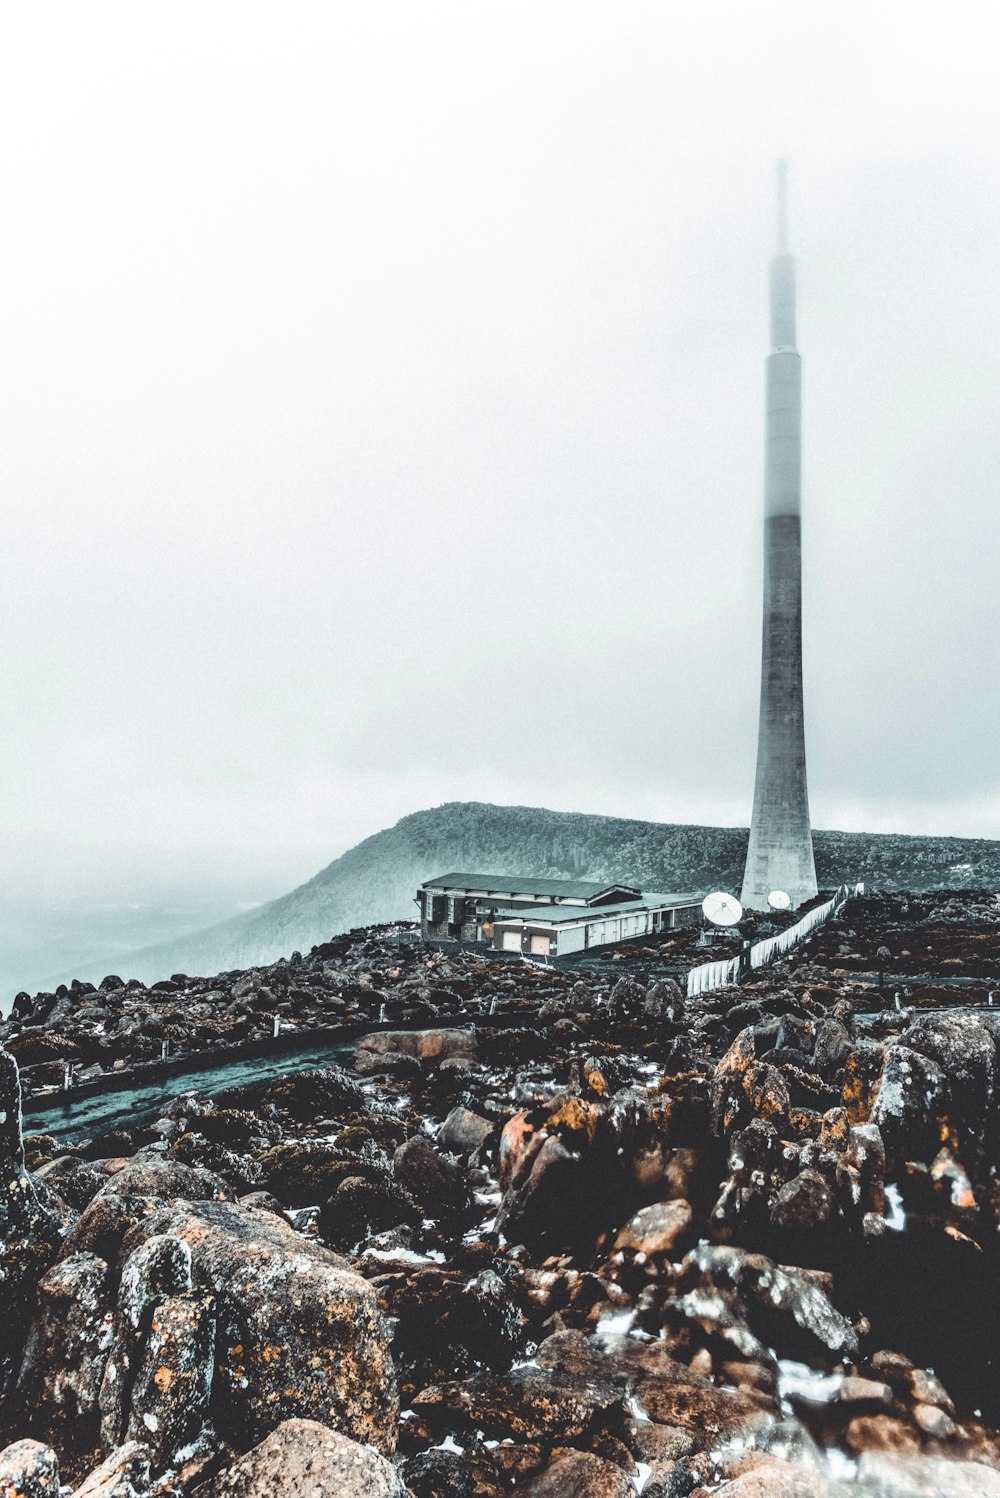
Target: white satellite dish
722,909
779,900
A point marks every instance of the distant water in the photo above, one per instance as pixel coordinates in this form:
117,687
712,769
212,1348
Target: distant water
44,943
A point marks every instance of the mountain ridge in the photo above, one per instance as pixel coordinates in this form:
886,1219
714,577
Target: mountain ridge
376,880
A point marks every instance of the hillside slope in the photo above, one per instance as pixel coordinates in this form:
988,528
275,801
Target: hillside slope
376,880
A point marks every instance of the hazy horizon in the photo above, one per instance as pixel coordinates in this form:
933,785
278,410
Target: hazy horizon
47,942
383,398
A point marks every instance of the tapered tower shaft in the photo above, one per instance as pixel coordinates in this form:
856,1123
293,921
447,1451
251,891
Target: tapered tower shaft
780,851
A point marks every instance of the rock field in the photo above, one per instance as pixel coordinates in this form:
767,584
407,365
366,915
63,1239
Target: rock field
548,1232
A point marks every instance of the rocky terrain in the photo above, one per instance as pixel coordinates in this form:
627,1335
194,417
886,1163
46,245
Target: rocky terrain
376,880
548,1232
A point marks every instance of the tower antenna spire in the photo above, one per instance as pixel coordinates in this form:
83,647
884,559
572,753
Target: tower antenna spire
781,207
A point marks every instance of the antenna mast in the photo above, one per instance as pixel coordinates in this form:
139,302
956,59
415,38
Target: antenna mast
781,207
780,852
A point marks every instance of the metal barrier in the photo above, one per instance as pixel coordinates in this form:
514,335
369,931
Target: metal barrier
712,975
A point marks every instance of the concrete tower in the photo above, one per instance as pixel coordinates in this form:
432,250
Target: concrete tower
780,853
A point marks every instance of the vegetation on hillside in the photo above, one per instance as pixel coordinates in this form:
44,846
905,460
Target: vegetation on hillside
376,880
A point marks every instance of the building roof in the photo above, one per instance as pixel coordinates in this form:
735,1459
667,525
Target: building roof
564,915
529,884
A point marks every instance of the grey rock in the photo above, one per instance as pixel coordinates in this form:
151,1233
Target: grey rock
776,1287
805,1203
169,1403
299,1332
29,1231
304,1457
429,1047
158,1177
832,1046
160,1267
123,1474
657,1229
68,1341
965,1051
912,1093
29,1469
580,1474
429,1178
463,1132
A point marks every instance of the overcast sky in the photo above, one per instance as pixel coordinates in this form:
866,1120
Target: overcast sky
381,397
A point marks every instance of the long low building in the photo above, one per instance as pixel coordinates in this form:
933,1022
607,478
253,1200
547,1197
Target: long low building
544,932
543,917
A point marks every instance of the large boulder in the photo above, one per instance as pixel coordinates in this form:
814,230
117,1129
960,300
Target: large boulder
28,1469
744,1087
912,1095
325,1092
153,1175
772,1477
430,1179
924,1476
301,1173
564,1168
73,1180
360,1207
447,1325
663,1001
169,1401
964,1049
378,1052
831,1047
656,1230
626,1000
299,1332
442,1472
770,1292
29,1231
546,1202
528,1404
862,1071
304,1457
123,1474
659,1388
805,1204
580,1474
67,1343
159,1268
463,1132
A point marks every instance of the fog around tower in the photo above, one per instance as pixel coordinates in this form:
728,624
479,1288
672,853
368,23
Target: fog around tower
382,399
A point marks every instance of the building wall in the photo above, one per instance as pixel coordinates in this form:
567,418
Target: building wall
602,931
570,941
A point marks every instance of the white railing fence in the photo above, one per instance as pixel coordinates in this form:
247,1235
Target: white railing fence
712,975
